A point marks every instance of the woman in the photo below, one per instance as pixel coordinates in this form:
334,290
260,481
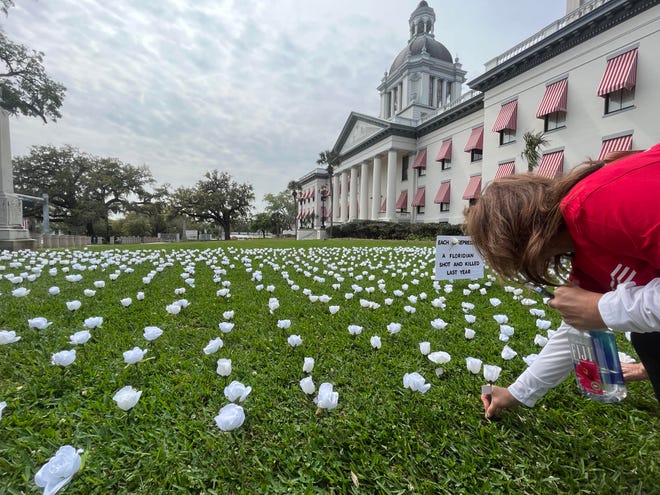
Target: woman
606,221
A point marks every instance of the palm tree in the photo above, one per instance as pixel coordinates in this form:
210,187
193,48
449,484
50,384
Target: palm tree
531,153
293,186
329,158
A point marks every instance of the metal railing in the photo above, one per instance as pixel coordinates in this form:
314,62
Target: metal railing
544,33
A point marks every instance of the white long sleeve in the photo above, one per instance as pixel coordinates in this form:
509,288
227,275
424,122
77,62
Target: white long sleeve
632,308
551,367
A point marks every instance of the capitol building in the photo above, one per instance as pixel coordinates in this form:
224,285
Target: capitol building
585,84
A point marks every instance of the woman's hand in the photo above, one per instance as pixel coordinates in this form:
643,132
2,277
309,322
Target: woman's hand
578,307
497,401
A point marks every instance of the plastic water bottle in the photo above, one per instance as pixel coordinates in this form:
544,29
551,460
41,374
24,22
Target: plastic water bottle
597,367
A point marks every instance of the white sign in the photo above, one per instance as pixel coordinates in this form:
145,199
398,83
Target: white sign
456,258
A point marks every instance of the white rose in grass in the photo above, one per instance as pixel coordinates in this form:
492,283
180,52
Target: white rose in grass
424,348
469,333
467,292
283,324
483,291
52,272
213,346
80,338
388,301
139,296
439,323
59,469
8,337
258,287
495,302
3,404
439,357
491,372
294,340
527,301
543,324
348,295
333,309
223,367
53,291
270,288
113,276
20,292
126,397
237,391
504,337
365,303
507,330
99,284
307,385
473,365
354,329
327,398
146,280
273,304
324,298
135,355
152,333
73,278
410,309
228,315
501,319
540,313
540,340
508,353
470,318
230,417
466,306
93,322
179,291
89,293
313,298
126,302
40,323
73,305
393,328
375,342
226,326
182,303
416,382
63,358
308,364
173,309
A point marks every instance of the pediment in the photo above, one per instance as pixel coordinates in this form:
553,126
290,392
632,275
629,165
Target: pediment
357,131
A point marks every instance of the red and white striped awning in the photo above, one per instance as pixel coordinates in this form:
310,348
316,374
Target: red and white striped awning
445,151
473,189
552,165
476,139
420,197
623,143
507,117
620,73
402,202
444,193
505,169
554,100
420,160
300,215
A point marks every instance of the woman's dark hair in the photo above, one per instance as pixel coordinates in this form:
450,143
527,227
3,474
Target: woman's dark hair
516,218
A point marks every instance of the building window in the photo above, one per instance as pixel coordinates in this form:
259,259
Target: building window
507,136
420,210
430,91
476,155
619,100
445,164
404,168
444,206
554,120
472,201
421,171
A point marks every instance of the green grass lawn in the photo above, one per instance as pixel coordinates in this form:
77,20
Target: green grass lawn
381,438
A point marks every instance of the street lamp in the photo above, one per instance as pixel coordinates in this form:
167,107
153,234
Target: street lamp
324,195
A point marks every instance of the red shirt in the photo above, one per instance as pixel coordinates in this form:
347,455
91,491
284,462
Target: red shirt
613,217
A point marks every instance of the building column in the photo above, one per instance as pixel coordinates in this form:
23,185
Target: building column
353,206
344,197
444,91
335,198
364,191
375,189
390,208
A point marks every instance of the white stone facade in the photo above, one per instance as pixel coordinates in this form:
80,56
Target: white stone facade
374,151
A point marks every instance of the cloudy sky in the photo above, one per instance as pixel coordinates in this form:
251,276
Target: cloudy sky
256,88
